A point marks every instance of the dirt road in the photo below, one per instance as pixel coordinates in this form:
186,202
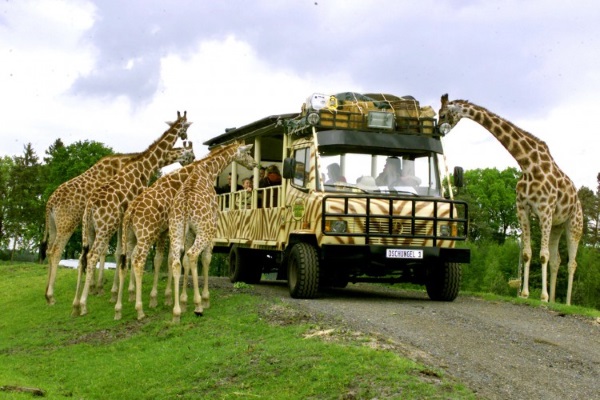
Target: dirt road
500,350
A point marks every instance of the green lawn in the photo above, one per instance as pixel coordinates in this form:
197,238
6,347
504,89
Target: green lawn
237,350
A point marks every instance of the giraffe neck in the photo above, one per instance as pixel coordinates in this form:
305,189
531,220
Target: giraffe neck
525,148
216,161
159,154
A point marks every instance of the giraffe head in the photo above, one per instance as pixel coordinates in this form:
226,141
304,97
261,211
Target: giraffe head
450,113
187,154
242,156
181,125
183,155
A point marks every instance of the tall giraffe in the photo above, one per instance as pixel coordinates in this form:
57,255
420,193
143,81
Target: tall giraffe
65,207
146,222
105,208
194,211
543,189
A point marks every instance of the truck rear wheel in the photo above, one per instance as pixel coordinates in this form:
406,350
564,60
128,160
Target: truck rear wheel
303,271
241,266
443,281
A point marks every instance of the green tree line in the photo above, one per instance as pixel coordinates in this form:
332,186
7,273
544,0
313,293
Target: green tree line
26,183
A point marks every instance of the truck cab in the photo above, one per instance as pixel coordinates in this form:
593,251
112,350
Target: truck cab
361,199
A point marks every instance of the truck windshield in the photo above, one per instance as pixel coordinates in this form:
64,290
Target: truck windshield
404,173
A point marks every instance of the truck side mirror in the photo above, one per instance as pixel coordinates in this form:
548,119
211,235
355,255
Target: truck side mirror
458,177
289,167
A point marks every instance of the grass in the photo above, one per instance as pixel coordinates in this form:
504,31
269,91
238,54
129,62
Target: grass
244,347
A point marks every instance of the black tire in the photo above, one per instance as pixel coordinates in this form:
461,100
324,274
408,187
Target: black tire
243,267
443,281
303,271
235,265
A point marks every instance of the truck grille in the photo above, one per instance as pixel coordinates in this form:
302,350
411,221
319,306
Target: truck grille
387,220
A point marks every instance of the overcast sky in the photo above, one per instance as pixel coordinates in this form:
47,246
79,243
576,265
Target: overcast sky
113,71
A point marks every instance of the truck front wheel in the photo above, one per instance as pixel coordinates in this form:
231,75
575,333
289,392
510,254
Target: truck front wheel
443,281
303,271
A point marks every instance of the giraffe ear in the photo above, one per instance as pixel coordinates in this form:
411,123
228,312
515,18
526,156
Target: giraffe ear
245,148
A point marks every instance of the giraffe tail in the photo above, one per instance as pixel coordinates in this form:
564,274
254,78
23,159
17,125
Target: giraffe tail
123,261
44,243
84,255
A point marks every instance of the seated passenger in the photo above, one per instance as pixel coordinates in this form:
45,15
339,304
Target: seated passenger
366,182
335,174
390,174
246,198
272,178
407,175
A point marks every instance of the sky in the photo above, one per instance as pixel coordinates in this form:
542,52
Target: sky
114,71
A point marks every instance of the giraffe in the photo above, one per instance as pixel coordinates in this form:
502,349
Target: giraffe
65,207
543,190
146,222
105,208
194,211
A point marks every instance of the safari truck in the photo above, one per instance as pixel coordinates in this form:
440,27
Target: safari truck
360,199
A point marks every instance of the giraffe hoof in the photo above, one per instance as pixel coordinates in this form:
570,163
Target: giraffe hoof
199,313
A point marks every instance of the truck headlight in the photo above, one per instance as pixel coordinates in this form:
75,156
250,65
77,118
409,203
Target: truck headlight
445,128
336,226
313,118
444,230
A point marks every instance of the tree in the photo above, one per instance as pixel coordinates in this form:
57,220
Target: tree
25,204
64,163
491,196
590,204
6,167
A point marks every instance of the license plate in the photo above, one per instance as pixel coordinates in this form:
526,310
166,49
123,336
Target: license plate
402,253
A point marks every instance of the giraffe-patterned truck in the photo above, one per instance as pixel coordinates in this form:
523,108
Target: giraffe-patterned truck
360,198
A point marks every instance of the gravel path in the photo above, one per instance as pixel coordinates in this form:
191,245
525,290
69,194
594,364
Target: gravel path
499,350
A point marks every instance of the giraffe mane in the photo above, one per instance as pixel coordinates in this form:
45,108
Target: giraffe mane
512,125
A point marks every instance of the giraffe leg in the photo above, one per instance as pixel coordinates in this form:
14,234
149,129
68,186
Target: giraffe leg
192,254
158,260
189,242
183,297
131,287
137,265
121,271
206,258
169,289
176,235
546,227
54,255
99,285
76,305
523,217
574,232
554,262
100,246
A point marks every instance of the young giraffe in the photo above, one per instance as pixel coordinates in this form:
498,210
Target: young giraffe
146,221
194,210
543,190
104,210
65,207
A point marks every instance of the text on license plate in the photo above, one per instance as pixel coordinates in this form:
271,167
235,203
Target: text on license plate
401,253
